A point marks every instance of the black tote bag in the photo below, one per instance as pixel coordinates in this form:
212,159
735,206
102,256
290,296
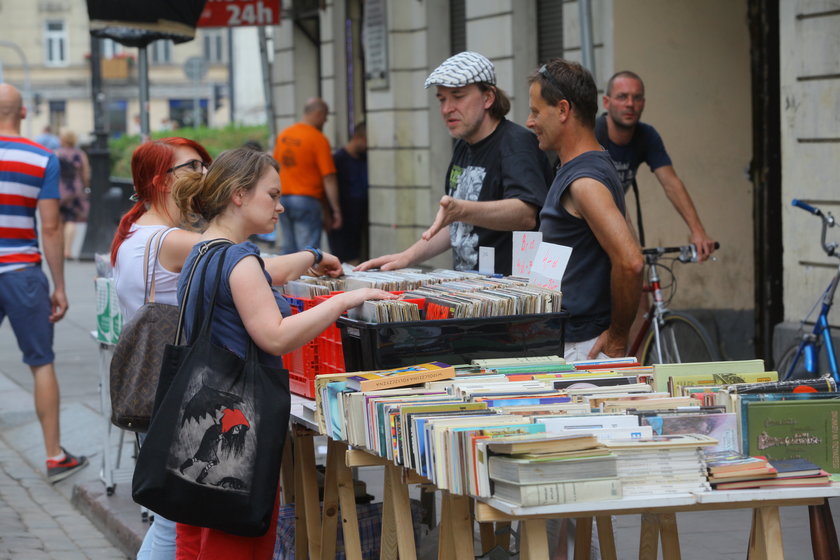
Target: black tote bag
212,455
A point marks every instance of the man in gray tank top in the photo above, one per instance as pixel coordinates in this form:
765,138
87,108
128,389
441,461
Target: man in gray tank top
585,210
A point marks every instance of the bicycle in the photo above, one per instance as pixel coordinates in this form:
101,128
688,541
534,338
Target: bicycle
811,345
667,336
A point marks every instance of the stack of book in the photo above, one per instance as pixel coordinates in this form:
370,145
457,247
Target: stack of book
554,469
738,471
662,464
730,469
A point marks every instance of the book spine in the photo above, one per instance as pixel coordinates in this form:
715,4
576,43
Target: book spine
413,378
570,492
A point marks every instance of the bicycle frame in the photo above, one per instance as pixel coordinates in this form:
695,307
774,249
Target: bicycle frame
654,315
658,309
808,350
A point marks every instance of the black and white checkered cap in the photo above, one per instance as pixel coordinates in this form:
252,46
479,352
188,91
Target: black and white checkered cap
461,69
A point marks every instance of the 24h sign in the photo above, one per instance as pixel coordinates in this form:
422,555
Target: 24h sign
239,13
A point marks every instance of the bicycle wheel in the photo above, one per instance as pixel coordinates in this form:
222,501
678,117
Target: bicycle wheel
683,339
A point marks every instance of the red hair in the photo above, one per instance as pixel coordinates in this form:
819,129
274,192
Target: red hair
149,164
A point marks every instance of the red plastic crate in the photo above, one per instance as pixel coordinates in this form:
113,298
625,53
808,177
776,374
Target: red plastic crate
322,355
303,361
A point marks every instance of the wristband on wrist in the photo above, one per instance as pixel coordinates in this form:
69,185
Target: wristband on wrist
315,253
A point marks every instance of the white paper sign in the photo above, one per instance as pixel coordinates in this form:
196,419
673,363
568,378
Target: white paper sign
487,260
525,244
550,265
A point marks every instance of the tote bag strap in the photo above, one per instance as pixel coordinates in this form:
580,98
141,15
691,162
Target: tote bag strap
203,321
149,286
202,251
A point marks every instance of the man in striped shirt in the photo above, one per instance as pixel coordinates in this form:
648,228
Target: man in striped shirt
29,182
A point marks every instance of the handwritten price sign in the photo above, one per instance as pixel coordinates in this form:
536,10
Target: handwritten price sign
239,13
549,265
525,244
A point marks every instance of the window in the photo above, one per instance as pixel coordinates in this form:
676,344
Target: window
55,43
213,43
111,48
58,113
162,51
457,26
549,30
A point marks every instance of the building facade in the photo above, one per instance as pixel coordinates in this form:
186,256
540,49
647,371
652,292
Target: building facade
45,50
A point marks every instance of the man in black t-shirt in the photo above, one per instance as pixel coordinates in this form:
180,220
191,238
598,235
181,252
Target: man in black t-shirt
498,177
584,210
631,142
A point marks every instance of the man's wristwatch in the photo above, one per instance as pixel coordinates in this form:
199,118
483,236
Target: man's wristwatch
315,253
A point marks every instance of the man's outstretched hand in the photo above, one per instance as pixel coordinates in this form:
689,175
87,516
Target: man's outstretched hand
447,213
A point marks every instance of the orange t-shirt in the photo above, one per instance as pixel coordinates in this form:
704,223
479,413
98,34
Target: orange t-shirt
304,155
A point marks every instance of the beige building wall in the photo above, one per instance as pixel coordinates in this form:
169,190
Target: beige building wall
810,123
694,59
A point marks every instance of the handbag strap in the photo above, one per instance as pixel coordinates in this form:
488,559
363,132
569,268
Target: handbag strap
149,287
202,251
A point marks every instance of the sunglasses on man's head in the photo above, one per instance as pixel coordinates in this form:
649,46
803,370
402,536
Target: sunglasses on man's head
194,165
543,71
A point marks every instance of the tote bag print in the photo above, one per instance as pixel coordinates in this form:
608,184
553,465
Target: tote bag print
214,441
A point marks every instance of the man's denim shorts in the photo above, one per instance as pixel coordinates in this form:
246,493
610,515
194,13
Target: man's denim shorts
25,300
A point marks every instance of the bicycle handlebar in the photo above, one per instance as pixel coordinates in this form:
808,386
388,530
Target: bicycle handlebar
827,222
688,253
807,207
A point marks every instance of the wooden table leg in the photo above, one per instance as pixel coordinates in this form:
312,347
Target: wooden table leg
670,536
305,463
462,527
301,537
503,534
606,538
766,536
488,537
830,529
347,504
534,540
446,548
649,537
329,515
403,514
287,473
823,534
388,548
583,538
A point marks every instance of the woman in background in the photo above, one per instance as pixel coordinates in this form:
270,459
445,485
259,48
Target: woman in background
74,180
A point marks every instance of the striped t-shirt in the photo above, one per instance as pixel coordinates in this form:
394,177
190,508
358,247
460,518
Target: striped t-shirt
28,173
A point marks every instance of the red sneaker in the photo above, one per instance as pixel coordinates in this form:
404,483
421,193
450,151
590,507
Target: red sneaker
59,470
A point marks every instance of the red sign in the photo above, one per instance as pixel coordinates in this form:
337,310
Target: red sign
239,13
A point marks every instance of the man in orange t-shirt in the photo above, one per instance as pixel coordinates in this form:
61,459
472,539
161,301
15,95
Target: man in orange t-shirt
307,177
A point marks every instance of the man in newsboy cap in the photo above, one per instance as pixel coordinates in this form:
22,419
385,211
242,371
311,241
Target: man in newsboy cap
497,179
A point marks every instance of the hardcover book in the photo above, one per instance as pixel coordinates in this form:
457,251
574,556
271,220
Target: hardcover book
790,429
399,377
530,471
571,491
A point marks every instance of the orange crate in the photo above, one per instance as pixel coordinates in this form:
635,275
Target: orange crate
302,362
323,355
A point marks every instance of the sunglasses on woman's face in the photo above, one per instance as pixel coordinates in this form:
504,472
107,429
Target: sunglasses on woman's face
194,165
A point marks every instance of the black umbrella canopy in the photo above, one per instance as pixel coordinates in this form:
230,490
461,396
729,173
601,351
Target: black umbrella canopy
136,23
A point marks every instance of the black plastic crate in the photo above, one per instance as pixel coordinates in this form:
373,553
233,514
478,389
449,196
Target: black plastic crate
370,346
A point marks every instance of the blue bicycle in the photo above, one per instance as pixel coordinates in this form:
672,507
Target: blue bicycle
808,357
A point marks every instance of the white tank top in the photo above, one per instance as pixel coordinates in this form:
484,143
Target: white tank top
128,272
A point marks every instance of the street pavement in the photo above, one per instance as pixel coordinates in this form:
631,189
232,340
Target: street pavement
77,518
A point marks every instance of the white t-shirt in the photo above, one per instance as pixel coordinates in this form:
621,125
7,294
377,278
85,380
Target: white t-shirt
128,272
